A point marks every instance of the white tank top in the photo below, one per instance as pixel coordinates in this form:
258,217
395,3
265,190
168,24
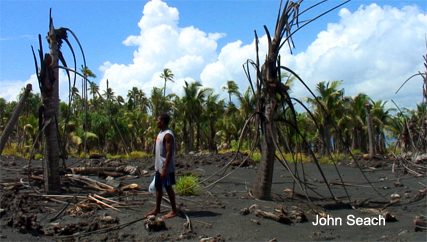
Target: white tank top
160,155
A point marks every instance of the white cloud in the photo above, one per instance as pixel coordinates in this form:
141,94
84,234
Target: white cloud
162,44
13,88
373,49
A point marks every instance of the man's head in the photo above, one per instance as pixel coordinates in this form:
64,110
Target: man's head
163,121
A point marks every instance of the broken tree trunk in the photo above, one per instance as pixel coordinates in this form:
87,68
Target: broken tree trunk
368,108
15,115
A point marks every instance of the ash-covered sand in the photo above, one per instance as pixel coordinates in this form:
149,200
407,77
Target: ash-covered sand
217,214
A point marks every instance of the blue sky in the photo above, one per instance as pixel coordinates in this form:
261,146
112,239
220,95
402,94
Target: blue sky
372,45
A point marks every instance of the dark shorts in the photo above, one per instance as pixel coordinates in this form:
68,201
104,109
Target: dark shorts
168,181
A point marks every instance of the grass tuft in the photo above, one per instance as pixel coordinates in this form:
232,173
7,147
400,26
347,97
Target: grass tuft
184,183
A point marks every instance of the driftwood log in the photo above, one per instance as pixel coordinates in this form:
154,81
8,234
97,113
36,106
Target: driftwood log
109,171
420,223
90,182
420,195
279,218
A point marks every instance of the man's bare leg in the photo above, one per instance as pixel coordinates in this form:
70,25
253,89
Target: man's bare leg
171,194
156,210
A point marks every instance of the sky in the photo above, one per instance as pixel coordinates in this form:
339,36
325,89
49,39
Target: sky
373,46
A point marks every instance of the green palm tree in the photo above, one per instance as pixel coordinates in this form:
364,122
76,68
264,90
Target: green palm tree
357,121
109,94
94,90
160,103
214,111
381,119
247,103
120,100
327,106
232,89
3,106
193,100
137,100
167,75
247,106
32,103
398,129
31,129
87,72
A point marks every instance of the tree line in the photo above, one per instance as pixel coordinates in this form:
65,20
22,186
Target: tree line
202,121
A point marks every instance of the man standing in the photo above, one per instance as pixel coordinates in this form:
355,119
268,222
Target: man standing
164,165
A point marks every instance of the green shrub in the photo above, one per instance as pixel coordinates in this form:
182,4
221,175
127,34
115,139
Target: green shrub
187,185
297,158
356,152
139,154
338,157
83,155
235,145
10,152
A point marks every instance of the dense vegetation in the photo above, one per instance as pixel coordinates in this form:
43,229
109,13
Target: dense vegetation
112,124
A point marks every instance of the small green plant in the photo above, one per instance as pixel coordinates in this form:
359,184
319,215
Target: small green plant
38,156
256,156
110,156
225,151
187,185
324,160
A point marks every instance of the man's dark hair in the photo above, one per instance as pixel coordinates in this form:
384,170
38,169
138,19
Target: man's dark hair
165,118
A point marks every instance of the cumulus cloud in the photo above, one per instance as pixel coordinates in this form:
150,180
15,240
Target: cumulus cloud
373,49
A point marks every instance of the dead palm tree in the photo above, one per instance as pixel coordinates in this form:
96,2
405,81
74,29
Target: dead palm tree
271,92
49,86
12,121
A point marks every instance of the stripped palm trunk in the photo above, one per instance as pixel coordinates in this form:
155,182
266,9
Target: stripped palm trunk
370,129
271,87
49,91
424,121
15,115
264,178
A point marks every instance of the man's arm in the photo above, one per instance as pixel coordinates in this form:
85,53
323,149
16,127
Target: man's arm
168,142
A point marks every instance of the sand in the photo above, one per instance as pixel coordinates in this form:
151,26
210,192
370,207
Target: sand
223,212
